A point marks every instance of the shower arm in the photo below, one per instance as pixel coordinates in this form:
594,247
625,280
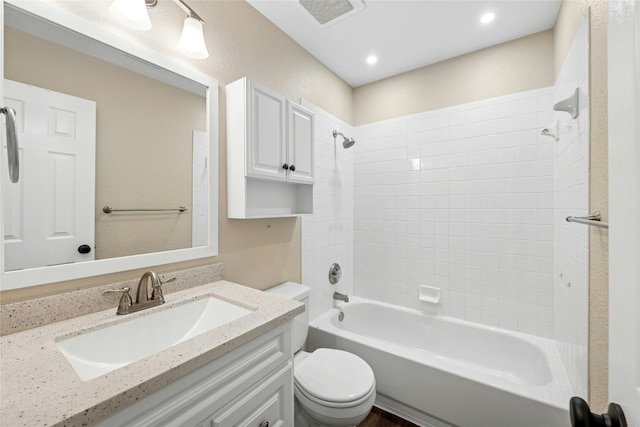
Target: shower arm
346,141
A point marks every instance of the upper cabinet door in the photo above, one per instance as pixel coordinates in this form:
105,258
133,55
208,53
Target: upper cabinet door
266,145
300,137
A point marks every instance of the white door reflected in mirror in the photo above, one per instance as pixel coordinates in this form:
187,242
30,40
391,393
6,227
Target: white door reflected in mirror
49,213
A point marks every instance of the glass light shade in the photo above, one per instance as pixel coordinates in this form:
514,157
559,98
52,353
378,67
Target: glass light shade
192,39
132,13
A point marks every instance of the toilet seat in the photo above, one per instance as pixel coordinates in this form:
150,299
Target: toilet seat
334,378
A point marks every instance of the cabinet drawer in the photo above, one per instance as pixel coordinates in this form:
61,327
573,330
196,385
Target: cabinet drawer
270,401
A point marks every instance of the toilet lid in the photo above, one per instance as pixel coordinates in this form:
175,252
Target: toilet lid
334,376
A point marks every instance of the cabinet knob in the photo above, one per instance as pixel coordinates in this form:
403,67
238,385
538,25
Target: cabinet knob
285,166
264,424
292,168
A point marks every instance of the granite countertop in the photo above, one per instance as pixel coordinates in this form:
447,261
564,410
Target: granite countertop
39,388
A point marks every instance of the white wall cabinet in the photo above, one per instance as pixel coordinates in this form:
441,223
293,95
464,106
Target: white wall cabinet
270,153
251,386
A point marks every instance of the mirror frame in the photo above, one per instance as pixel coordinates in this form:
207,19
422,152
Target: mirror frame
58,273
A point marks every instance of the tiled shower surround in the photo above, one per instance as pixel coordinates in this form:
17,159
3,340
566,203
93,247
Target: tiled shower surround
460,199
327,235
571,240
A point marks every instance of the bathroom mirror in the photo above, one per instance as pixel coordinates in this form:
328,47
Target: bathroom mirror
125,128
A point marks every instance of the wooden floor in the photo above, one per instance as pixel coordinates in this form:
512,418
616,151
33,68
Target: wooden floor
380,418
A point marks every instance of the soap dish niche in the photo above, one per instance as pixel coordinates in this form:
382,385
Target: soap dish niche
430,294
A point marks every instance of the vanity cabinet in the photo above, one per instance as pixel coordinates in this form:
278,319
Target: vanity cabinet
270,153
249,386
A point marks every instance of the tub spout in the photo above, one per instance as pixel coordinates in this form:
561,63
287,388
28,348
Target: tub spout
340,297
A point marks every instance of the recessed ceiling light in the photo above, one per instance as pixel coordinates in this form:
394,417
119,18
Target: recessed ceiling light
372,59
488,17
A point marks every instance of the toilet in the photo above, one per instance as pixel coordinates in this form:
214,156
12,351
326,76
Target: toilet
331,387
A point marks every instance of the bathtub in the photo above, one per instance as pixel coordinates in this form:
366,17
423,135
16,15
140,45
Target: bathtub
439,371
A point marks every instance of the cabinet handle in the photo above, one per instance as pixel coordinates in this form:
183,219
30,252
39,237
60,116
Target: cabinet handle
264,424
292,168
285,166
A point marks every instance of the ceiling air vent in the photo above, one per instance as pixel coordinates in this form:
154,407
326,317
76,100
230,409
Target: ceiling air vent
328,12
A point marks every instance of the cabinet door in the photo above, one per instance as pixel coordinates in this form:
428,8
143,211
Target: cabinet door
300,137
266,146
269,403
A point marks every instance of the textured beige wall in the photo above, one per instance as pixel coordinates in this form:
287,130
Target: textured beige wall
515,66
571,14
131,153
241,42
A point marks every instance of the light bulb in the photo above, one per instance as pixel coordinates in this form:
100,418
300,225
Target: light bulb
192,39
132,13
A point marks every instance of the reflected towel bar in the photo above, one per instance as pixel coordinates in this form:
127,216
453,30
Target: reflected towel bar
594,219
109,209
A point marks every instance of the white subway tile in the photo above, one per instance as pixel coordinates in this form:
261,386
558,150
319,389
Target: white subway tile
438,208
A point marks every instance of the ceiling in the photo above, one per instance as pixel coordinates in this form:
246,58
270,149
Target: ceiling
406,34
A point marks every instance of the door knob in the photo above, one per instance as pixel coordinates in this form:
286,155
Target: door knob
285,166
292,168
581,415
84,249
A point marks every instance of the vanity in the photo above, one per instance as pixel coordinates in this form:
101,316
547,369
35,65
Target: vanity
238,373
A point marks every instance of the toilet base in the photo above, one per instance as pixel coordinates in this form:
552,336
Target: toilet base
302,419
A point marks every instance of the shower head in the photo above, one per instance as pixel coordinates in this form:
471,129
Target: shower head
346,142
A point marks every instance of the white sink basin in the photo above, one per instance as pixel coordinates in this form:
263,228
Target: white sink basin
104,350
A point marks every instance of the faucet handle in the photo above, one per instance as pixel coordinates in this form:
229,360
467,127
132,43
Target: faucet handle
156,293
125,299
173,279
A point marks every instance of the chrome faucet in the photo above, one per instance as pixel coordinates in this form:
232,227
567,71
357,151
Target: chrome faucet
126,304
340,297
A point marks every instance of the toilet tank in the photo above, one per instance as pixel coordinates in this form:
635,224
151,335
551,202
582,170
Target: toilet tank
298,292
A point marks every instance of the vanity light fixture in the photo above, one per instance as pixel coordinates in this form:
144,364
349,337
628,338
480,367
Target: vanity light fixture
133,13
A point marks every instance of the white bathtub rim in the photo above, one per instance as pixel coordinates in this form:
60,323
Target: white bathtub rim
556,393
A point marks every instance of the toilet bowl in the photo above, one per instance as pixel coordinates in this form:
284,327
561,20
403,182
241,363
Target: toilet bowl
331,387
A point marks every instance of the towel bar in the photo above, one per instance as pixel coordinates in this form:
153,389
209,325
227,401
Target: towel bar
109,209
594,220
